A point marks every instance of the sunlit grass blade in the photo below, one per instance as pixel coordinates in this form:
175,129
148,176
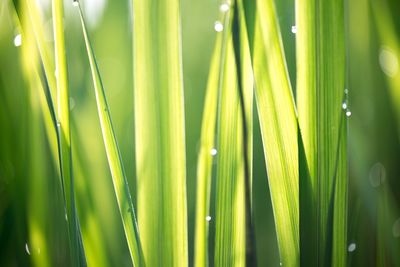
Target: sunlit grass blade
63,124
38,198
320,49
277,115
119,178
244,74
160,132
46,54
234,158
205,159
230,186
389,54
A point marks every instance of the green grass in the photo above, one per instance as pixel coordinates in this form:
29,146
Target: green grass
157,164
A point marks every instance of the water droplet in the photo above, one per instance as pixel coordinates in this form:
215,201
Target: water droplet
352,247
27,249
18,40
208,218
218,27
346,91
388,61
224,7
344,105
377,174
66,217
280,264
396,228
213,152
294,29
58,124
75,3
348,113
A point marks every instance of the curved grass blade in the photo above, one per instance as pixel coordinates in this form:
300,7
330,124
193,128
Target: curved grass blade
234,160
277,115
63,125
205,158
120,181
160,132
244,75
320,45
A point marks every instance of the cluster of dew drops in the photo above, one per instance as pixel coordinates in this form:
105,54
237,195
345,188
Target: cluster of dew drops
223,8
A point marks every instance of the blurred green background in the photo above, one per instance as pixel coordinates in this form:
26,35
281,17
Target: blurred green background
30,200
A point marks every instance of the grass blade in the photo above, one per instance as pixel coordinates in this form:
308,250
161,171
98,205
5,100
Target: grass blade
76,247
205,159
278,123
159,132
120,181
234,161
320,44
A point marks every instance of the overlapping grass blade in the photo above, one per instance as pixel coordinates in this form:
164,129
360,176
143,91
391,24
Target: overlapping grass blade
320,47
119,178
234,158
160,132
244,73
205,159
63,124
278,122
38,197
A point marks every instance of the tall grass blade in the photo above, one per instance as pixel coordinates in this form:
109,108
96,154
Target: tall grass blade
277,115
38,207
234,136
205,159
120,181
244,74
320,49
76,247
160,132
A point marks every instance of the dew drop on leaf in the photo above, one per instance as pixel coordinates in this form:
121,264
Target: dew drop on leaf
218,27
18,40
352,247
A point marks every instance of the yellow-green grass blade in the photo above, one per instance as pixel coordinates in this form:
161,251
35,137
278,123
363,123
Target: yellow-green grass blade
119,178
389,55
205,159
230,236
63,124
245,87
37,244
234,137
320,49
45,52
160,132
277,115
